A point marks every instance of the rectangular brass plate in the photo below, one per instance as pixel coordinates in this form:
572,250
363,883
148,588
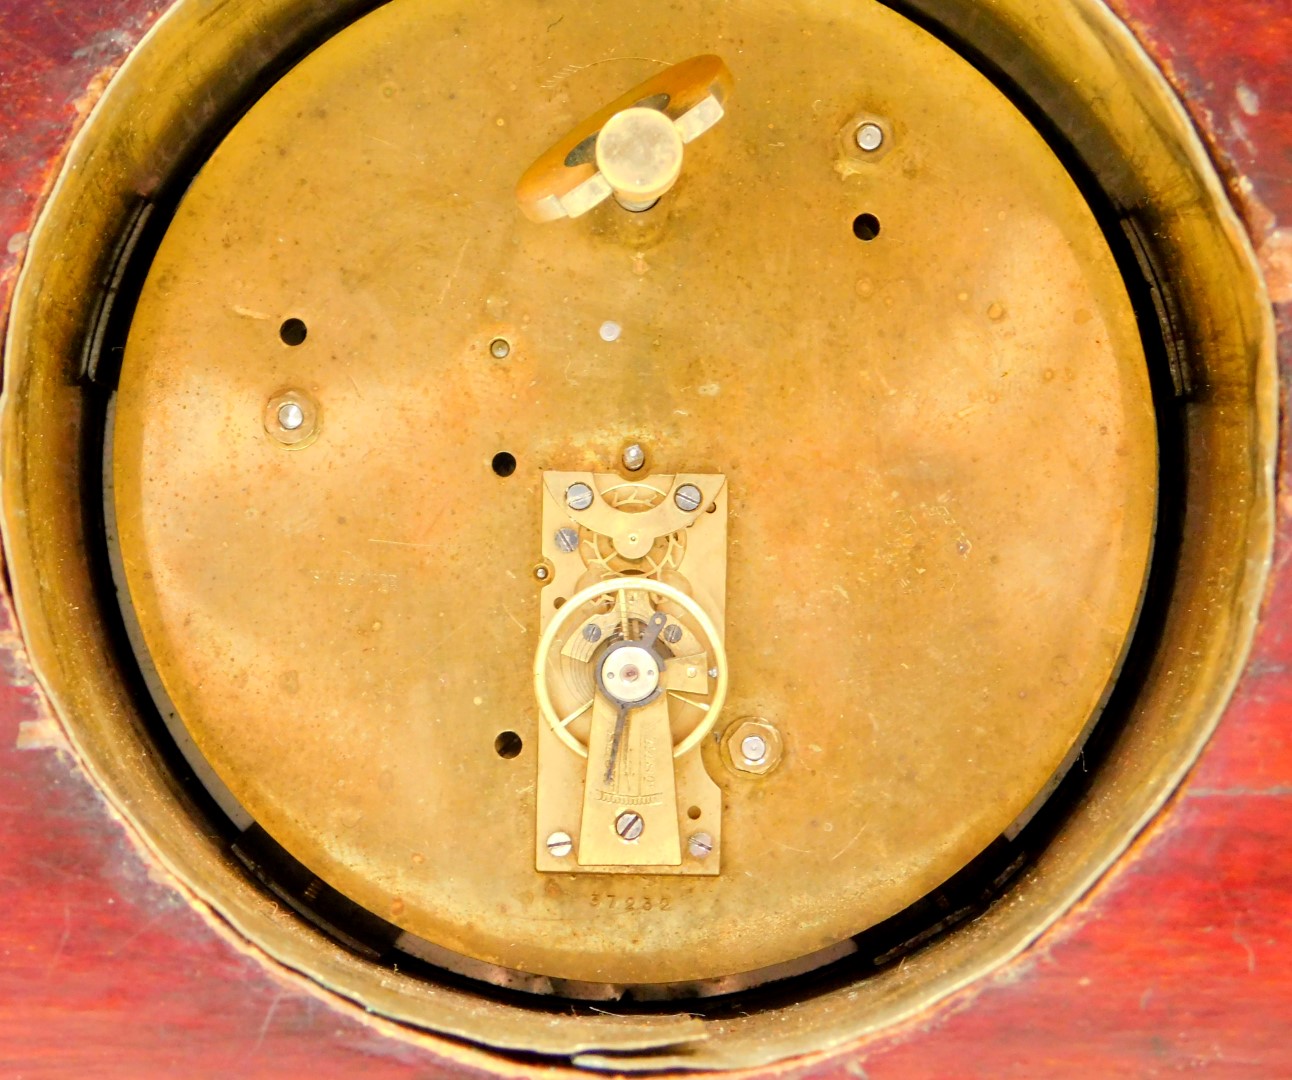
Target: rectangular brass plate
574,796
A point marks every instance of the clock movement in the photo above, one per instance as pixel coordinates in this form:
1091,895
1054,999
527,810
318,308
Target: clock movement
588,528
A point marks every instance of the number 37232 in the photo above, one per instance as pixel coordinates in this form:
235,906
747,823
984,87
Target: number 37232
620,902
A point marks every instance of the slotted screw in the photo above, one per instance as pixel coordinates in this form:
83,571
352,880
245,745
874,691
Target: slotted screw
688,497
700,845
578,496
629,825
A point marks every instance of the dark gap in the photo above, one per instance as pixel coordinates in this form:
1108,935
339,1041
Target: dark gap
865,226
293,332
508,745
966,894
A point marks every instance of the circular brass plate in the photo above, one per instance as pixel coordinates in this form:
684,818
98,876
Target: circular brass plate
197,66
939,444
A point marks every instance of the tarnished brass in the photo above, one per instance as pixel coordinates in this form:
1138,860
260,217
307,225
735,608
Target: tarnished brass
842,375
939,452
292,419
627,742
635,517
574,176
767,739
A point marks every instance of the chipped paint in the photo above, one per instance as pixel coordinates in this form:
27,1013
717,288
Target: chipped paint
1248,100
1275,253
42,734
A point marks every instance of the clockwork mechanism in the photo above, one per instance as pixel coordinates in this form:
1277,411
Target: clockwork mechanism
634,502
630,676
773,574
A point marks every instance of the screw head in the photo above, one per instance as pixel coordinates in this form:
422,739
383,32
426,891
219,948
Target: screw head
672,633
754,749
579,496
630,674
688,497
500,348
592,633
560,844
629,826
634,458
699,845
870,137
290,416
567,539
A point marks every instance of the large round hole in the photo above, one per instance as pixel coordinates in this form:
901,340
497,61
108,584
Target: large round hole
508,745
504,464
865,226
293,332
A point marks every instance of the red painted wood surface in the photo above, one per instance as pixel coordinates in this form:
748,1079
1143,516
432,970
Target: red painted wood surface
1181,960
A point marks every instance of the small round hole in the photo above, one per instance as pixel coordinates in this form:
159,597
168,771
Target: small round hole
293,332
865,227
694,813
508,745
504,464
559,602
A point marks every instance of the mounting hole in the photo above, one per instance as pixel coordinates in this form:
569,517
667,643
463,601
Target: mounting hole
865,226
694,813
508,745
504,464
559,602
293,332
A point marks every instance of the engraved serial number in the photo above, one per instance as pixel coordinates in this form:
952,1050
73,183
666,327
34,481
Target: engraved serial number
376,582
622,902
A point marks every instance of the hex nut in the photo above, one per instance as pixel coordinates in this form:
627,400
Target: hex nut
743,738
292,418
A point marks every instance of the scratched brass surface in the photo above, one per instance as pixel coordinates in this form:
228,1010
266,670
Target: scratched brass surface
1104,93
939,449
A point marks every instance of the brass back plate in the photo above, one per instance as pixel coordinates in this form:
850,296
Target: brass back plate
939,447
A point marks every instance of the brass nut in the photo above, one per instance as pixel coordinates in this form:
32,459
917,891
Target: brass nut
292,419
752,746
